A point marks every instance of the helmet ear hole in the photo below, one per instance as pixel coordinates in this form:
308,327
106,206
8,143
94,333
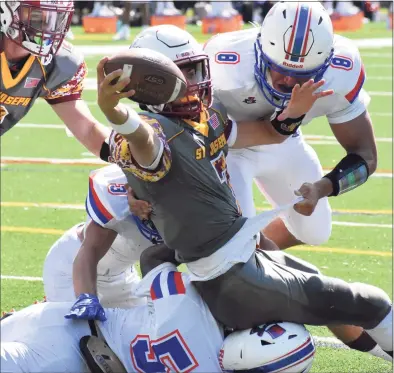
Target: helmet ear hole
292,336
265,343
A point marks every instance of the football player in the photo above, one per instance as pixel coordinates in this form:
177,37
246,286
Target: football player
174,157
353,336
101,251
36,63
256,73
174,331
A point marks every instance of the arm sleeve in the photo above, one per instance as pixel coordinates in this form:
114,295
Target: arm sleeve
120,154
71,90
106,201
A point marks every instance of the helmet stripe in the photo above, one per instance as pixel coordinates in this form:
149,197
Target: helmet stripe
301,33
290,45
307,35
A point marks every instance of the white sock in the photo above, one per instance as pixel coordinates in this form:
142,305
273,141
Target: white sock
378,352
383,333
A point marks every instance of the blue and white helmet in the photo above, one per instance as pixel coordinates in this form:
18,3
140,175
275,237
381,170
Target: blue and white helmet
296,39
276,347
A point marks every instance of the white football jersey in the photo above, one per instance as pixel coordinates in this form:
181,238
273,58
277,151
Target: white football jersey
232,60
174,332
106,204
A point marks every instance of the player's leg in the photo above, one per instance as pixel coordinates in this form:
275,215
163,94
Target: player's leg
353,336
39,339
298,163
240,166
58,264
261,291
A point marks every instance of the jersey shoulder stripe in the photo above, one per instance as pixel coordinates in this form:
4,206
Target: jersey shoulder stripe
166,284
94,203
352,95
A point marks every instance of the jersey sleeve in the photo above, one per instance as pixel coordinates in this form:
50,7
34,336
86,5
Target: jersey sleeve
106,201
120,154
70,91
64,82
346,76
185,328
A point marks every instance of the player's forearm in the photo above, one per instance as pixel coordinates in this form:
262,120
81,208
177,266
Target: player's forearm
143,142
80,121
255,133
85,273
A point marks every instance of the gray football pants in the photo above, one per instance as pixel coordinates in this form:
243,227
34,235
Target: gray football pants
274,286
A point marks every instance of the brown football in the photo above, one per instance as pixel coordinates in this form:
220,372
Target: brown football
155,78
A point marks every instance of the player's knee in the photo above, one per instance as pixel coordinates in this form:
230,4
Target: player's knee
360,304
373,302
313,230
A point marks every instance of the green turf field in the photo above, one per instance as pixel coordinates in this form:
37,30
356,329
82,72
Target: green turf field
40,201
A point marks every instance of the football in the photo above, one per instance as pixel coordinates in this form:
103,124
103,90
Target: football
155,78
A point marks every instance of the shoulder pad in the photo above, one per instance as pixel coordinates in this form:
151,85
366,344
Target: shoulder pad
346,73
232,59
107,196
65,65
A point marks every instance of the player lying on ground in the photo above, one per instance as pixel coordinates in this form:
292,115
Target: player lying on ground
176,161
265,67
174,331
111,230
35,63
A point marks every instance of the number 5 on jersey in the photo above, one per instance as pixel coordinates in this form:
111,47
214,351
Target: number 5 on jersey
166,354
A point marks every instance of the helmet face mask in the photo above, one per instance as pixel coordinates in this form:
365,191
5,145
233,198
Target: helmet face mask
187,54
37,26
296,40
199,88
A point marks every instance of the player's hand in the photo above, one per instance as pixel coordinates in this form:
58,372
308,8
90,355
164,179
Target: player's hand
302,99
110,94
87,307
311,198
141,209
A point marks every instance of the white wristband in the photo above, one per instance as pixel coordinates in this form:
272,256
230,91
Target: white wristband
130,126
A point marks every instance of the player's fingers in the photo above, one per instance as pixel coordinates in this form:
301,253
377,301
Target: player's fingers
108,80
121,84
129,94
328,92
296,89
318,84
100,69
307,84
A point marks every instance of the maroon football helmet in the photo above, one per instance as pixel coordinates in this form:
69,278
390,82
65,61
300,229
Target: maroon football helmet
38,26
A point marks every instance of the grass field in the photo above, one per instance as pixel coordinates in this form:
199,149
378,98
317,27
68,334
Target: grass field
40,201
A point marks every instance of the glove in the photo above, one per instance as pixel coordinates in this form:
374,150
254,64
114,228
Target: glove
87,307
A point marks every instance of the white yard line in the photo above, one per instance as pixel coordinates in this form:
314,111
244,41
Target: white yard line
21,278
380,94
101,50
361,225
95,161
379,55
322,137
76,206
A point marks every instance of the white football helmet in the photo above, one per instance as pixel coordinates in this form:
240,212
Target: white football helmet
186,52
296,39
277,347
38,26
